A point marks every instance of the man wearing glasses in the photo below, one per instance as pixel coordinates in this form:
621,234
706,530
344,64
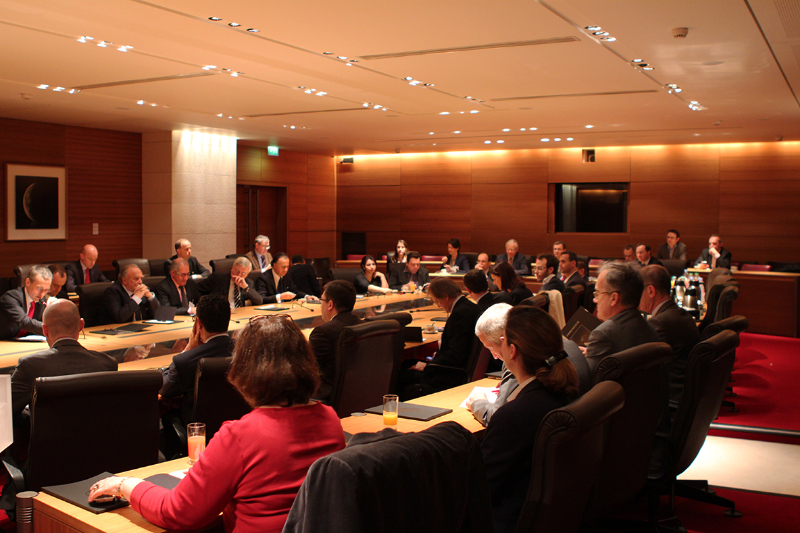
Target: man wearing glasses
21,309
546,268
178,290
260,257
617,293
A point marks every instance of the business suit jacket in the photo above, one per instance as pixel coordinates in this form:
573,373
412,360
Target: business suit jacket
620,332
266,288
724,260
486,301
678,253
167,294
483,410
400,276
66,357
219,283
515,295
652,261
119,307
462,262
575,279
676,327
305,278
75,275
323,342
554,284
251,255
195,268
14,315
519,264
490,281
456,347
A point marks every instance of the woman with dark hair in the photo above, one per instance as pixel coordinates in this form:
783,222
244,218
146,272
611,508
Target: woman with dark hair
454,261
507,281
370,280
401,250
533,350
253,467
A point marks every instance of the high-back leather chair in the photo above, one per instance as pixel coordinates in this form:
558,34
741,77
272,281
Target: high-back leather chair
539,300
152,281
713,275
85,424
159,267
707,372
221,265
345,273
712,299
736,323
588,297
141,262
642,373
573,297
365,365
402,317
675,267
234,256
753,267
477,363
90,303
725,304
215,399
21,271
566,460
322,267
472,258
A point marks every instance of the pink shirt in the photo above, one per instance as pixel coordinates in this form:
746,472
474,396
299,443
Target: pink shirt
251,469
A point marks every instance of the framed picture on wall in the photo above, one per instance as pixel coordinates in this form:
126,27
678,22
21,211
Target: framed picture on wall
36,202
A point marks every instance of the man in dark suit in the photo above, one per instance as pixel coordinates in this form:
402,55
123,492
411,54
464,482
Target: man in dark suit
644,255
178,289
674,325
129,299
512,256
62,325
484,266
546,266
21,309
183,249
413,272
456,345
715,256
57,284
275,286
338,300
673,248
568,265
478,290
233,286
209,338
84,271
304,276
617,293
260,257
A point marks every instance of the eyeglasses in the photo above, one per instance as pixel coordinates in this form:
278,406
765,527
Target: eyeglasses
597,294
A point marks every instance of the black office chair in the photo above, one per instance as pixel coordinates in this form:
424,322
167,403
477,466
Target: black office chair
712,299
739,325
477,363
21,271
322,267
90,303
215,399
159,267
573,297
588,297
141,262
345,273
221,265
566,460
365,365
85,424
725,304
675,267
402,317
234,256
472,258
539,300
152,281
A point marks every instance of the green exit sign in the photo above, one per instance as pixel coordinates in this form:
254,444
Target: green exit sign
272,150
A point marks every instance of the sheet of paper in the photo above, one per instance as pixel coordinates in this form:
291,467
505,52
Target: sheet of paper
490,393
6,430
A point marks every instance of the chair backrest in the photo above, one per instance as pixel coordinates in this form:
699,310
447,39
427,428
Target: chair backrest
539,300
159,267
221,265
675,266
588,297
215,400
21,271
141,262
713,275
556,307
566,460
85,424
402,317
737,323
322,267
642,372
355,257
712,298
431,257
90,303
234,256
582,258
596,263
348,273
725,304
472,258
707,373
365,365
152,281
481,363
573,298
751,267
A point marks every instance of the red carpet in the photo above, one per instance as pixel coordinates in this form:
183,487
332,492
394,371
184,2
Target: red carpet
767,386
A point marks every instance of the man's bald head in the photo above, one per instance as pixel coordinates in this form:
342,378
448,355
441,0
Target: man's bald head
89,255
61,319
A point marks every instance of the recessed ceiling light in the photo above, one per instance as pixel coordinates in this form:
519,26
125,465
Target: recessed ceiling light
377,106
328,53
253,30
456,132
365,105
430,85
678,90
42,86
408,78
215,19
434,144
589,126
140,102
608,39
58,89
341,57
500,141
82,40
445,113
73,91
321,93
557,139
234,24
474,111
569,138
533,129
349,64
235,74
600,33
101,44
696,134
219,114
209,67
354,60
545,140
431,133
292,127
593,28
522,129
506,129
636,60
153,105
487,142
414,82
648,68
122,49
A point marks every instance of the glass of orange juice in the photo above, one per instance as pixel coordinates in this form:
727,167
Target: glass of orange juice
196,438
391,407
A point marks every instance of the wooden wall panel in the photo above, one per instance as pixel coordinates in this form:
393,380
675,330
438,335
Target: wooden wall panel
370,171
322,244
759,161
380,242
248,163
440,208
760,208
760,249
691,162
321,170
509,211
421,170
509,166
692,208
321,208
368,208
611,164
297,206
288,167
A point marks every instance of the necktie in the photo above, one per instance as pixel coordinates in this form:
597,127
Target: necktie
184,300
30,315
281,287
86,279
237,297
263,263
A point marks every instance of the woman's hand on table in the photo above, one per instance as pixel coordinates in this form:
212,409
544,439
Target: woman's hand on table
120,487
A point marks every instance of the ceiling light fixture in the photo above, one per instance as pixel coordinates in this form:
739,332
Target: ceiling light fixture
533,129
235,74
648,68
209,67
600,33
636,60
73,91
102,44
234,24
327,53
506,129
474,111
445,113
215,19
140,102
42,86
608,39
219,114
408,78
557,139
153,105
545,140
431,133
593,28
589,126
253,30
522,129
487,142
58,89
456,132
569,138
500,141
343,58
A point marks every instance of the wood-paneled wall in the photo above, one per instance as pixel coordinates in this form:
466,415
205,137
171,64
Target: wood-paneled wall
104,185
311,184
747,193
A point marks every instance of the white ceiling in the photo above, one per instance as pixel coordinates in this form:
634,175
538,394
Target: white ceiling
740,60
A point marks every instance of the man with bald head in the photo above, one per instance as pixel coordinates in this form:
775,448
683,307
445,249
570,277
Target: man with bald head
21,309
84,271
62,325
129,299
183,249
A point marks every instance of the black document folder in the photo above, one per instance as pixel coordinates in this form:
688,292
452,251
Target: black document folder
414,411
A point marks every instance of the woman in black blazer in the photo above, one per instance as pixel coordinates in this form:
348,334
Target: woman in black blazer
507,281
370,280
454,261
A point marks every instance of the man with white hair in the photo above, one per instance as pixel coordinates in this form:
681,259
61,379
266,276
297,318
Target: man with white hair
259,256
233,285
513,257
129,299
21,309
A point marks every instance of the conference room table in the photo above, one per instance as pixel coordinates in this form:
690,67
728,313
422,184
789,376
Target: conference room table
52,515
